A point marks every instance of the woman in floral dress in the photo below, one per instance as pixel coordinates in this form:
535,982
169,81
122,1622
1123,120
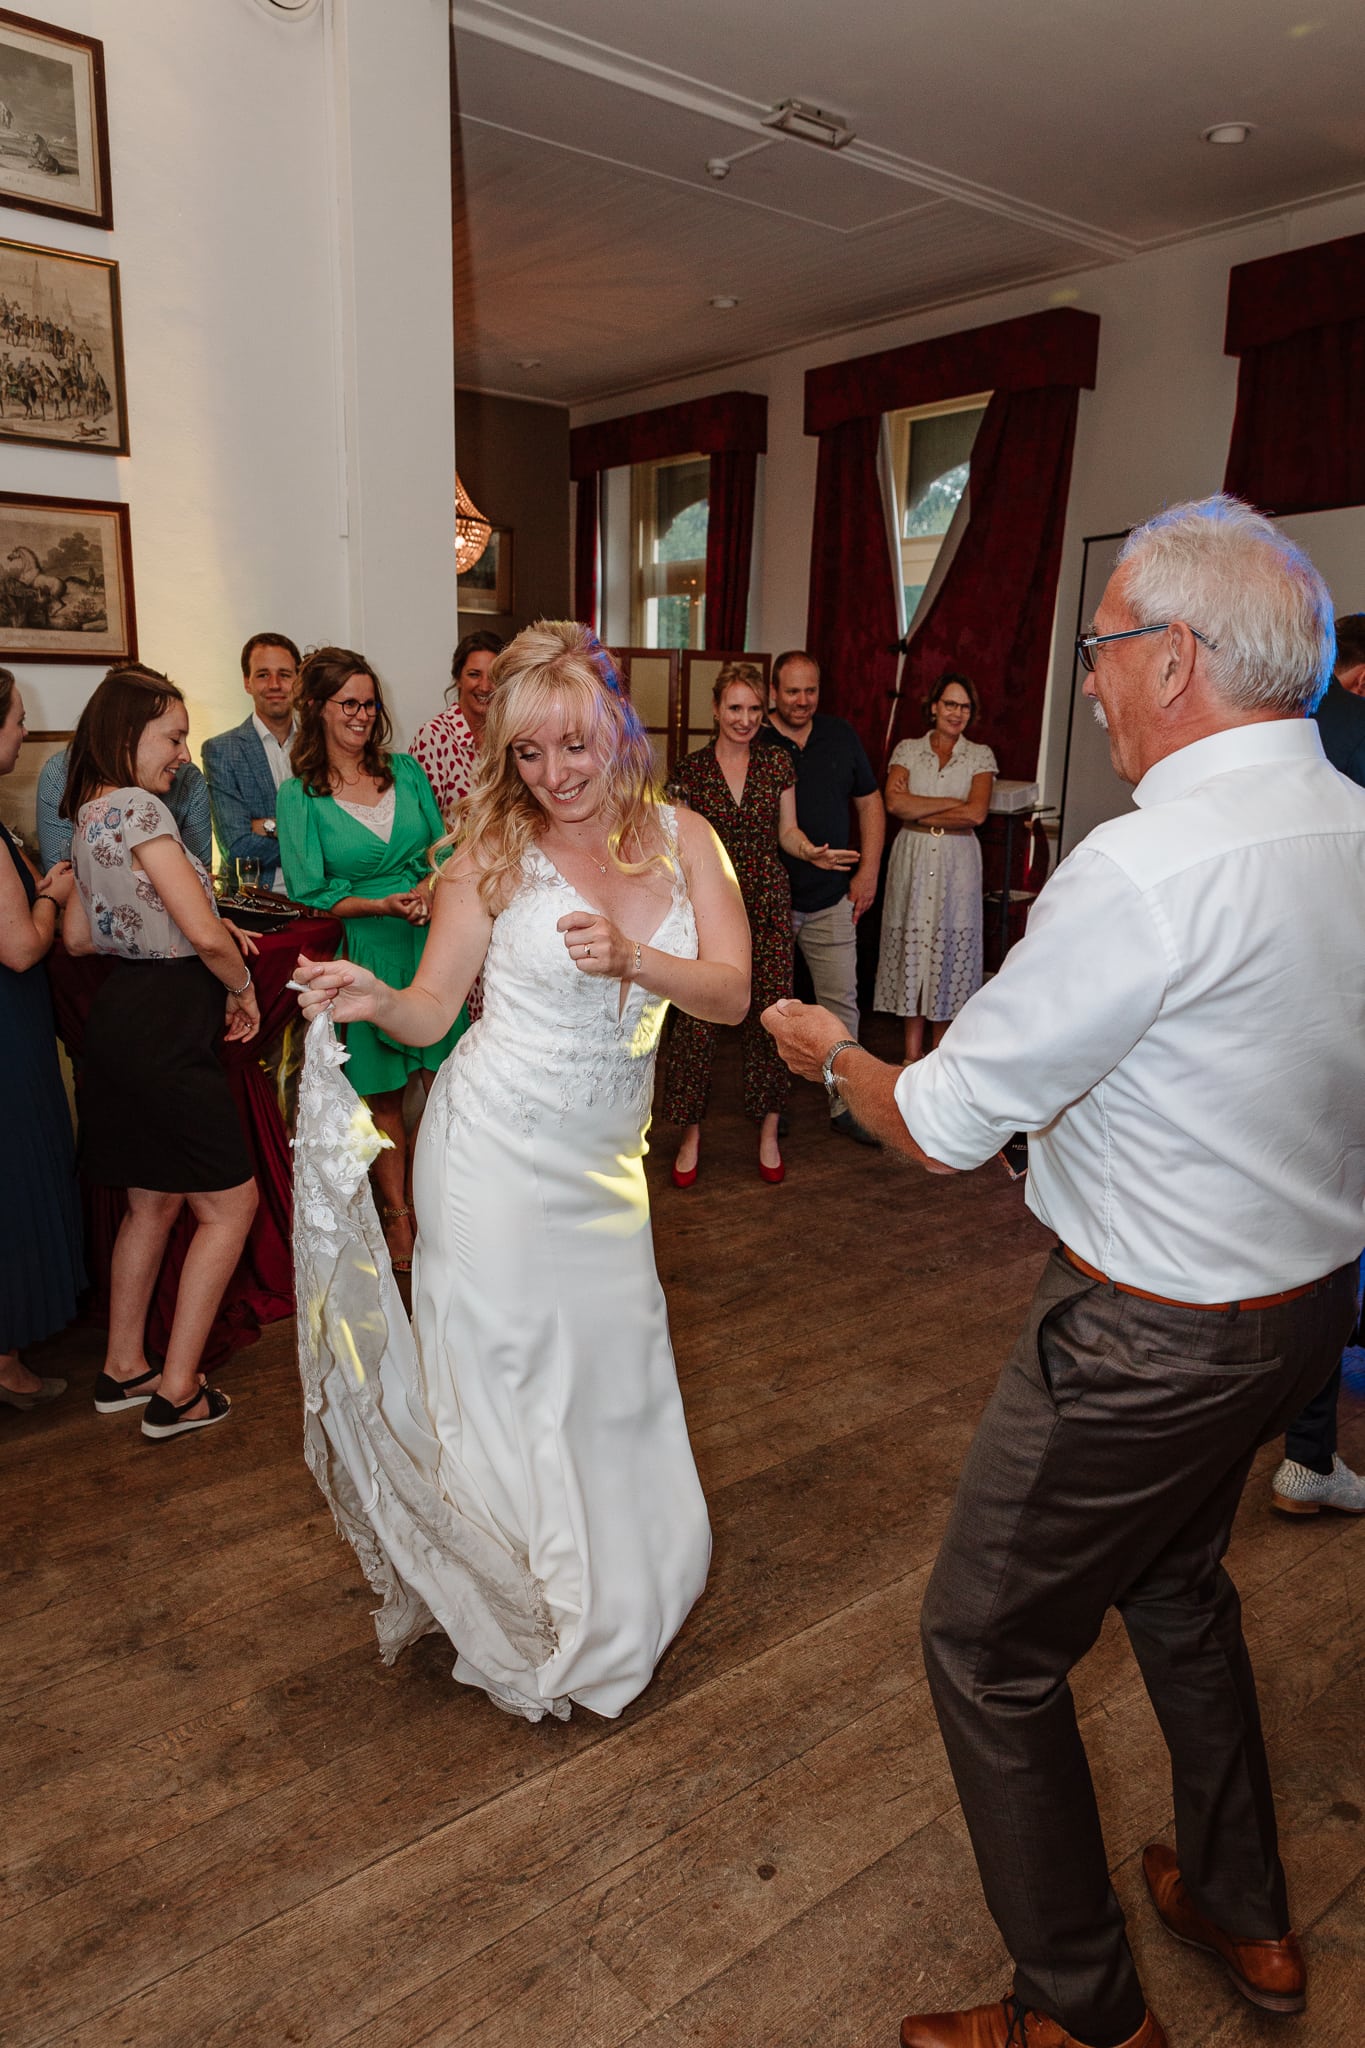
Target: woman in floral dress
939,786
748,795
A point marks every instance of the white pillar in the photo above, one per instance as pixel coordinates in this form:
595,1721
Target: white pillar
391,74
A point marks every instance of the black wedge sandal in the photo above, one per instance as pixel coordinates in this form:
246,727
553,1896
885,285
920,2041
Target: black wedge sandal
164,1419
113,1396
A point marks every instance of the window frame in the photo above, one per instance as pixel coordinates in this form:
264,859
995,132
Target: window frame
918,555
651,580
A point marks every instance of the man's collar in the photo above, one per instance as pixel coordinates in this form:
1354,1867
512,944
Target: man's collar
263,731
793,739
1237,746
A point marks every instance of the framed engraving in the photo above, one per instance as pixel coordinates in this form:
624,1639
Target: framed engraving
54,128
66,580
61,350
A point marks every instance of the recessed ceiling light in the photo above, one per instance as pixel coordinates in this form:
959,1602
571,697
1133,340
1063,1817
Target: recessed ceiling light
1228,132
529,363
723,302
809,124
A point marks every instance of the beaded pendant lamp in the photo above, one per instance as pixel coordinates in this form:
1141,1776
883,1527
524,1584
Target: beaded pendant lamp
472,531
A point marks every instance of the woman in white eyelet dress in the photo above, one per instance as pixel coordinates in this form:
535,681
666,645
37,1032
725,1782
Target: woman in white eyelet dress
552,1522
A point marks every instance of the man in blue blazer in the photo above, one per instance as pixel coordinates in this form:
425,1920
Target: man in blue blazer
246,766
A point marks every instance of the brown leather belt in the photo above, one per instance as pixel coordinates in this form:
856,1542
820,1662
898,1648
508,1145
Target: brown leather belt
1165,1301
939,831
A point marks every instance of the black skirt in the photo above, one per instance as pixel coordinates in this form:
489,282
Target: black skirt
155,1107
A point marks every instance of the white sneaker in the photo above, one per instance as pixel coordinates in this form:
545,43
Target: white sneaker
1295,1490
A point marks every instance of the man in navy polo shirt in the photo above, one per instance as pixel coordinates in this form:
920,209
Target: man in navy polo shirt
832,773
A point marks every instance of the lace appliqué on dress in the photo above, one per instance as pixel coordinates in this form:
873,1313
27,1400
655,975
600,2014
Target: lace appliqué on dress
366,1439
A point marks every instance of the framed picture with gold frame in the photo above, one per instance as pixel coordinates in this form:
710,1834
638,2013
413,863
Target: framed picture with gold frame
19,791
54,124
487,587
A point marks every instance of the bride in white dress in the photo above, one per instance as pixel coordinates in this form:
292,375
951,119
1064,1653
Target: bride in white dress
524,1479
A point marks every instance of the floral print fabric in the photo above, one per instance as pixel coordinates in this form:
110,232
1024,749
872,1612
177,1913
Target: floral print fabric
127,916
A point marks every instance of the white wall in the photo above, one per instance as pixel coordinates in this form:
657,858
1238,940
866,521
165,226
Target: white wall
1155,429
250,503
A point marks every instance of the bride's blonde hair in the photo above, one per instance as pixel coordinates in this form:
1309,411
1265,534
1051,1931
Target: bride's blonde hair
555,665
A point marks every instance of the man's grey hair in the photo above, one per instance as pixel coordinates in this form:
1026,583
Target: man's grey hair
1232,575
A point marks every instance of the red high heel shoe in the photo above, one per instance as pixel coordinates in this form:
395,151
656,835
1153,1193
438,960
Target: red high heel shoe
774,1175
685,1180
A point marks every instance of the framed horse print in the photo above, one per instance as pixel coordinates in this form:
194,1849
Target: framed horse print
54,128
61,350
66,580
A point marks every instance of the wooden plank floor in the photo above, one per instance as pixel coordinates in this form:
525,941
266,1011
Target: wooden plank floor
222,1820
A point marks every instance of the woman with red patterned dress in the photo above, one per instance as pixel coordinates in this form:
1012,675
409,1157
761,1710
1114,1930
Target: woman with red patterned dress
448,744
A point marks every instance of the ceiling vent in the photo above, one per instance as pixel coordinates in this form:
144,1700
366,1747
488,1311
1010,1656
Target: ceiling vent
809,124
289,10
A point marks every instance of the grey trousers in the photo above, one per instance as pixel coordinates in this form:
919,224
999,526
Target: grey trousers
829,946
1106,1473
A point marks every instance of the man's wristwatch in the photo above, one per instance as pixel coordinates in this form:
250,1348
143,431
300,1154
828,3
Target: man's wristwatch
827,1073
269,827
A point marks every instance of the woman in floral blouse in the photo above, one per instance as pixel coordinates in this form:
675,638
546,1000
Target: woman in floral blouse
748,794
157,1117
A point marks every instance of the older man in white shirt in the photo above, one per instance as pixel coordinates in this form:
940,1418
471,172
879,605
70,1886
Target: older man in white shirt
1182,1034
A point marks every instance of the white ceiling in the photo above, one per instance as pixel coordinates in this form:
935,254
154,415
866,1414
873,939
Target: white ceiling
998,142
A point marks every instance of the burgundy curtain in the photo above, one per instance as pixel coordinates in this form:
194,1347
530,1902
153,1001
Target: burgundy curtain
852,624
992,616
993,612
732,428
585,550
1297,323
730,548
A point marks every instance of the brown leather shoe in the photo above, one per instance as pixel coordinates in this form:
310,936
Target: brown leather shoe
1271,1974
1007,2025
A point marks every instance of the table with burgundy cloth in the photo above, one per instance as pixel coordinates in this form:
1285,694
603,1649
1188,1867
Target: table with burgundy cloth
262,1288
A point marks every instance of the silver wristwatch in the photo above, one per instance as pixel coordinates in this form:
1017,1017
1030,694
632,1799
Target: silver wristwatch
827,1073
269,824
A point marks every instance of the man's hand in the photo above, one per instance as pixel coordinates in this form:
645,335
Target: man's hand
862,890
803,1034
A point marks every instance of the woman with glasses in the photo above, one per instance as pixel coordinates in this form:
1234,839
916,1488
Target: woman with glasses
356,824
939,786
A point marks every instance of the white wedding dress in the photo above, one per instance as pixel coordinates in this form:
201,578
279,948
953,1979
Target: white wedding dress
521,1476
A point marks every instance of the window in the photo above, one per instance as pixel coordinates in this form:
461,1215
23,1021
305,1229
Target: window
668,506
931,448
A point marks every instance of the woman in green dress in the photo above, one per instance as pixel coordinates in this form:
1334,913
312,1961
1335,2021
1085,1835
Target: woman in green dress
356,825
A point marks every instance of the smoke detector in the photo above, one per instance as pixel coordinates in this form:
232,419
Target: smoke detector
289,10
1227,132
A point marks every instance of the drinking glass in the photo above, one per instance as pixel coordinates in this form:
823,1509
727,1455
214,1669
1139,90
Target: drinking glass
249,874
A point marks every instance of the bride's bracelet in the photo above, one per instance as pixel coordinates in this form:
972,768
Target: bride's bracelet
244,987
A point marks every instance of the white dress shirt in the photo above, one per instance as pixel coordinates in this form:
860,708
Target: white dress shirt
1181,1031
277,761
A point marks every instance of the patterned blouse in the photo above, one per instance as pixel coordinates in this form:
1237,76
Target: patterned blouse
748,829
127,917
448,750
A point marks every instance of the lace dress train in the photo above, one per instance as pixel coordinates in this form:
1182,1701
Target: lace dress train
519,1475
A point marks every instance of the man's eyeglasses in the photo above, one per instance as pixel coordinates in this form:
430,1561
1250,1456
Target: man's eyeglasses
352,707
1088,642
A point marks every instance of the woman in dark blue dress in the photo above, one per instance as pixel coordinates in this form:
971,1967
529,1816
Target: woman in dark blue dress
40,1223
